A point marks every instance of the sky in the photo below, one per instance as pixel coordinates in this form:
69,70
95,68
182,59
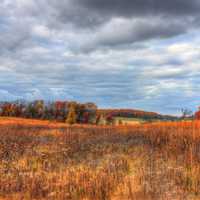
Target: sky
142,54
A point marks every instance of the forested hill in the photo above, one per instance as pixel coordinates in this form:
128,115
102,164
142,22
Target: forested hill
79,112
133,113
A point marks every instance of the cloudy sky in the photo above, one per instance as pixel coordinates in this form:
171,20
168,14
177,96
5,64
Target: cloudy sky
118,53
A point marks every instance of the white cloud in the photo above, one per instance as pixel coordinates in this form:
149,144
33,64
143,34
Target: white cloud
41,31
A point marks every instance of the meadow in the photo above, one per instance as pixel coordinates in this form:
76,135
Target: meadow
44,160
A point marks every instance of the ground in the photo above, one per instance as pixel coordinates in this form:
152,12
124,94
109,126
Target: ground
128,121
48,160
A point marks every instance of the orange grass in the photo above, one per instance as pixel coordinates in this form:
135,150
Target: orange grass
48,160
9,121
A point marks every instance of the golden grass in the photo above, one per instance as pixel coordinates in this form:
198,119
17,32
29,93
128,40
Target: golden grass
47,160
9,121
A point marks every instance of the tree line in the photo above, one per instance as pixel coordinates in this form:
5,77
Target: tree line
73,112
65,111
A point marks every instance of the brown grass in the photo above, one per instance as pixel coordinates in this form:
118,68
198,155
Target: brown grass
46,160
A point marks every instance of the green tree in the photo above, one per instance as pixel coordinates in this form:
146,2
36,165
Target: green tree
71,117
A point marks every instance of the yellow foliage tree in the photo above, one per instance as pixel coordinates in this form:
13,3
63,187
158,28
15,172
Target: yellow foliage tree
71,117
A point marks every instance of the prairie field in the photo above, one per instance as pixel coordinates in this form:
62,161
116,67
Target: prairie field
42,160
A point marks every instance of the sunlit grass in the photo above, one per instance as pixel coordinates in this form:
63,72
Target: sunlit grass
150,161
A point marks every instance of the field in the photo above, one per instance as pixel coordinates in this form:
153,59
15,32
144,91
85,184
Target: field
44,160
128,121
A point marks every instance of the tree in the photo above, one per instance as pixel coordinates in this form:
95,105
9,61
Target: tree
71,117
60,110
31,111
39,108
197,114
186,113
109,119
86,116
98,117
7,109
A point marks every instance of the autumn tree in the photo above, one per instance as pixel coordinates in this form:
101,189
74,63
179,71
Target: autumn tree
109,119
69,111
7,109
98,117
39,108
197,114
31,111
71,117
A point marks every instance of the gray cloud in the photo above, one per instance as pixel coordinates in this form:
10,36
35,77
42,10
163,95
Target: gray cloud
141,7
116,53
124,32
87,25
116,23
13,37
143,20
94,12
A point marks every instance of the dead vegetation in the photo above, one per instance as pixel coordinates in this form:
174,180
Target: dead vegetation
152,161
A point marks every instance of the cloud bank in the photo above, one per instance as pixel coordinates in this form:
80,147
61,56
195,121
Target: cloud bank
132,53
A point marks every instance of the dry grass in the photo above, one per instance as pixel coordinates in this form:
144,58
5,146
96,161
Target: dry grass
42,160
13,121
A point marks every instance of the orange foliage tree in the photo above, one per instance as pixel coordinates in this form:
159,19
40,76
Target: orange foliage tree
197,114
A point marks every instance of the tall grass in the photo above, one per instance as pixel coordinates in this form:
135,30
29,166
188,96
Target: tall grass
151,161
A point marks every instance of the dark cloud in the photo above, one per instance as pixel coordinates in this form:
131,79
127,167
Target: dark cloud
144,19
135,32
112,52
90,13
98,23
130,8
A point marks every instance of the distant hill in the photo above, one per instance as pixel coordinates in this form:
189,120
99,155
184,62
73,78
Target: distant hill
84,112
132,113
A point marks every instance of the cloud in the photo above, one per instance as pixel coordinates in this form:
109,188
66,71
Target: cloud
120,31
128,53
92,13
41,31
106,23
142,7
